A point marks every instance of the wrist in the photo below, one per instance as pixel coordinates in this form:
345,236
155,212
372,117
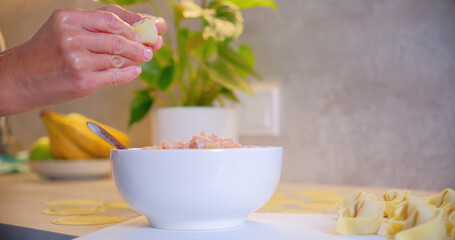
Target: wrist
11,73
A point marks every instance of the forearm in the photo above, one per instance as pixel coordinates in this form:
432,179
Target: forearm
12,100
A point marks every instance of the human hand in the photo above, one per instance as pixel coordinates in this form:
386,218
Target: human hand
73,54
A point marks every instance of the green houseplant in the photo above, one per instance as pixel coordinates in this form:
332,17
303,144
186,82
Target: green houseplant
198,66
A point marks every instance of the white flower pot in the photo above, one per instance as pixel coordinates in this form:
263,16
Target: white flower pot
181,123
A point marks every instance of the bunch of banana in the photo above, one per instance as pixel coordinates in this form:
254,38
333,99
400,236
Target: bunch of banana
71,139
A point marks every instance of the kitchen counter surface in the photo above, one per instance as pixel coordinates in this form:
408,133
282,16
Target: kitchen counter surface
23,199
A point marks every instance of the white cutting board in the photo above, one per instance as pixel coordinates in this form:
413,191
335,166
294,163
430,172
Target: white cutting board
263,226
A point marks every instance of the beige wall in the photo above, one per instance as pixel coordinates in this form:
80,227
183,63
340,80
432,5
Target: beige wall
368,87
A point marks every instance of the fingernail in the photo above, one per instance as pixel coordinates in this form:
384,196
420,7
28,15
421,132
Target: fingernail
137,70
148,53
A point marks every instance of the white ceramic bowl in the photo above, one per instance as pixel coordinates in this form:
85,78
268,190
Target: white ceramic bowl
196,189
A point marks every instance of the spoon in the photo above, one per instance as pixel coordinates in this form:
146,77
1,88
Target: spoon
105,135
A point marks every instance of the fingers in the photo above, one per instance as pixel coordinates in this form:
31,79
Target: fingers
117,45
100,62
131,17
106,22
161,26
125,15
116,76
158,44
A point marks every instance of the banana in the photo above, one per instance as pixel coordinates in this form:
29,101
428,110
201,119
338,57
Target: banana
121,136
71,139
61,146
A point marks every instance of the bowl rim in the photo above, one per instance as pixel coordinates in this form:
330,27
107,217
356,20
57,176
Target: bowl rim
200,149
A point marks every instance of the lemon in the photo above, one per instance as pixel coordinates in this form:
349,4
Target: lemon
41,150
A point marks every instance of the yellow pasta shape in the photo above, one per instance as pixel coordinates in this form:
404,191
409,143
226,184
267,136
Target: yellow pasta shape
354,197
391,208
421,223
443,198
452,221
392,198
446,212
361,217
404,211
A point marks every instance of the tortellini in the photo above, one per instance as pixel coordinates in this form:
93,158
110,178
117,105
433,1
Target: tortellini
404,211
361,217
392,198
452,221
443,198
446,212
354,197
416,220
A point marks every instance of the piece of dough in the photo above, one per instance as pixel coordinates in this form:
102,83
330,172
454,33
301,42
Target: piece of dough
88,220
392,207
393,197
404,211
416,220
74,203
354,197
443,198
433,229
361,217
452,221
74,210
446,213
146,30
117,205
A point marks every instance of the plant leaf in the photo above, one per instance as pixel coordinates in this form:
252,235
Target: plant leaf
224,21
140,106
237,60
166,77
153,69
182,39
150,72
194,40
229,94
244,51
223,74
206,49
191,9
245,4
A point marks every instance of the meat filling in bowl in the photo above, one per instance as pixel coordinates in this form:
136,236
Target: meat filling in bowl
201,141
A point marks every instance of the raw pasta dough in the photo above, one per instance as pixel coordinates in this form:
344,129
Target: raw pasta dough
418,221
443,198
404,211
88,220
392,198
446,213
361,217
452,221
74,210
354,197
